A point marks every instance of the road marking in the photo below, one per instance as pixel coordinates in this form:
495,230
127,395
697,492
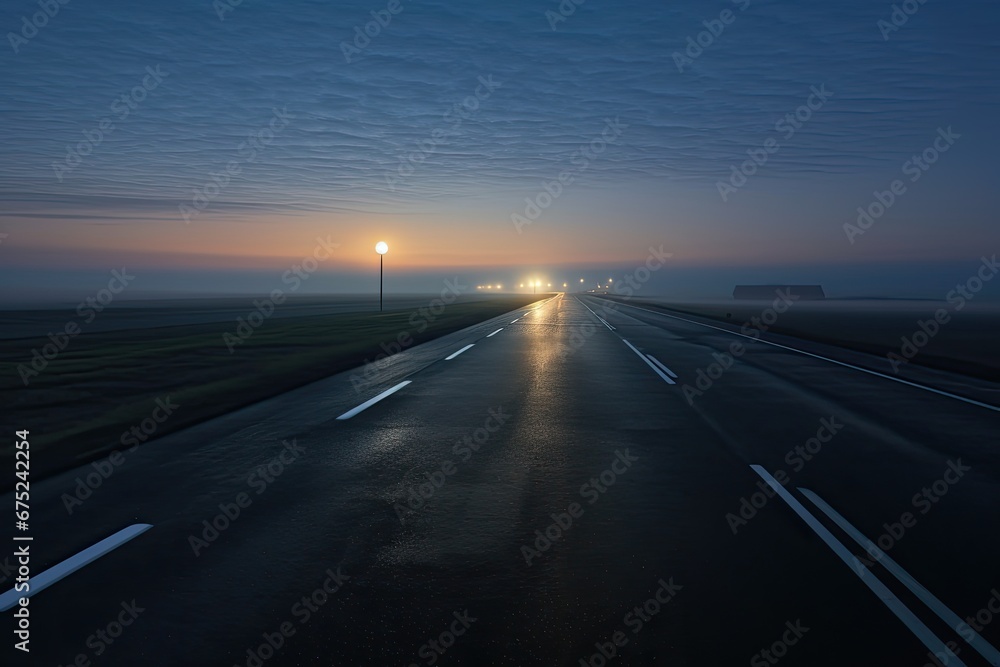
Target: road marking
40,582
832,361
660,364
984,648
495,332
372,401
603,321
902,612
455,354
515,320
642,356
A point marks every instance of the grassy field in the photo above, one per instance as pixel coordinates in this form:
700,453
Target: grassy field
104,383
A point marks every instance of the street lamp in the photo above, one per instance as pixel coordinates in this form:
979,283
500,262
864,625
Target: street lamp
381,248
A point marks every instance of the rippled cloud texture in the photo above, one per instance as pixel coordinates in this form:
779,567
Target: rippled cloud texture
433,127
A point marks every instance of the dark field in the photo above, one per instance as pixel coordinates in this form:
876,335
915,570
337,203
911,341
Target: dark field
108,380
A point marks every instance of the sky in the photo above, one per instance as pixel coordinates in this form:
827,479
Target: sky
209,146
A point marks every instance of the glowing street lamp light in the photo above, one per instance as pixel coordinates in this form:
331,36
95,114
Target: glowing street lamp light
381,248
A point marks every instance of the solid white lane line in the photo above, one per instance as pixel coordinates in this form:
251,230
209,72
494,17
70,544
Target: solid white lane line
660,364
902,612
656,370
495,332
596,315
41,581
372,401
455,354
832,361
984,648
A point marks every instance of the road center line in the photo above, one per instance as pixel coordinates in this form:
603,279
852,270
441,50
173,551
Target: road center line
902,612
984,648
649,363
455,354
40,582
495,332
596,315
832,361
372,401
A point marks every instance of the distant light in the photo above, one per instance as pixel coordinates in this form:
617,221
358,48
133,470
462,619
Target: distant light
381,247
550,284
522,284
609,280
499,286
581,280
564,284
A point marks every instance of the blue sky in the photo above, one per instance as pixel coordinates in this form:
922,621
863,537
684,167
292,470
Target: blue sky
375,147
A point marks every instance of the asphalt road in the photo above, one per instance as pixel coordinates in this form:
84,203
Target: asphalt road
579,498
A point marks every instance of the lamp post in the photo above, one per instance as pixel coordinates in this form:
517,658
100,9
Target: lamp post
381,248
